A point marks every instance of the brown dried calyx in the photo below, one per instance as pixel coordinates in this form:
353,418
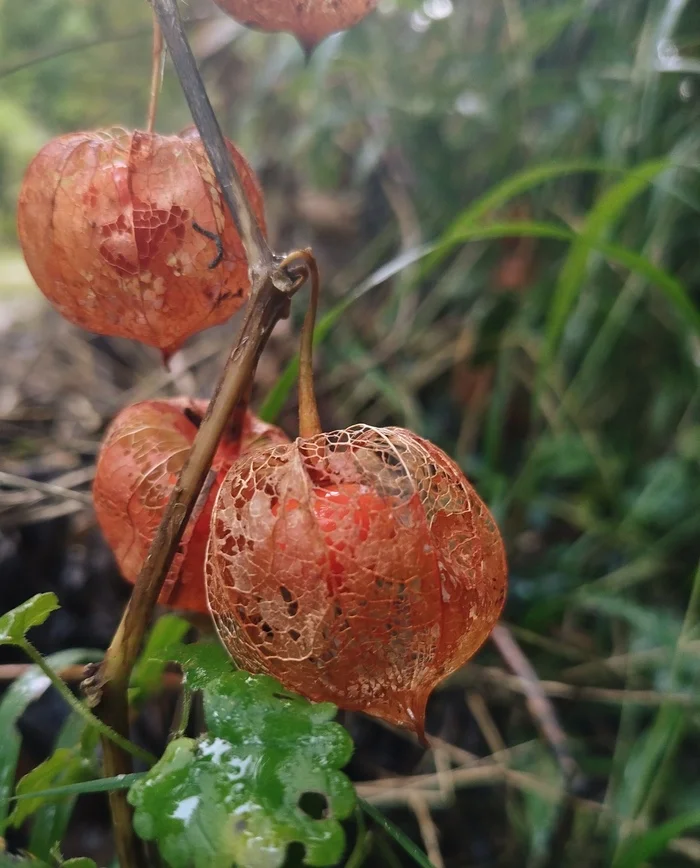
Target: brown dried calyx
309,20
358,567
126,234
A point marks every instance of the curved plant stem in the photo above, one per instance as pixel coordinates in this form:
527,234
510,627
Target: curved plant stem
81,709
158,60
309,420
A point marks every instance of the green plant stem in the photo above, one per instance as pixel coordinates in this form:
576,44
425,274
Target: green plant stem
81,709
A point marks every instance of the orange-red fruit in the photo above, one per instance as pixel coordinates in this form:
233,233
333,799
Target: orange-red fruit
141,456
309,20
107,226
358,567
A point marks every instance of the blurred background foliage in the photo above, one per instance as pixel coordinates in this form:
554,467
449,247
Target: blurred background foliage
550,343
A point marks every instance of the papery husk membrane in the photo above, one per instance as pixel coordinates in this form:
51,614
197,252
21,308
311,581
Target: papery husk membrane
358,567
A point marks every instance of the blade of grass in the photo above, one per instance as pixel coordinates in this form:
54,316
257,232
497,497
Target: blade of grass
655,841
276,397
672,288
402,840
600,221
101,785
51,819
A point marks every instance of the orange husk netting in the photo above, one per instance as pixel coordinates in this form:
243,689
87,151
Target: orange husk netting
309,20
358,567
106,222
139,462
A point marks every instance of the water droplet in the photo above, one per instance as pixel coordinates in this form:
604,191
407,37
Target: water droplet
685,89
438,9
419,22
471,104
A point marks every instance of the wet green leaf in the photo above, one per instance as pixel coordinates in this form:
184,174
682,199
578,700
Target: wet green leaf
52,816
201,662
148,672
266,775
66,765
15,623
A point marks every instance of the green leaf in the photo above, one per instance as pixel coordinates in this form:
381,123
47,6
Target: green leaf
53,815
653,842
14,624
238,795
516,185
464,230
64,766
201,662
26,860
28,687
600,220
147,675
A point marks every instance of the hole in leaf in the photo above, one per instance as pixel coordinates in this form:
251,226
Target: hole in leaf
314,805
295,855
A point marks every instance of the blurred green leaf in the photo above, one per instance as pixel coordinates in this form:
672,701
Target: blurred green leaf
239,794
147,675
15,624
23,691
52,816
599,222
652,843
64,766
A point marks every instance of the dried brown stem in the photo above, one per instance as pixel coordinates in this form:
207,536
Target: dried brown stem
260,257
156,73
538,703
267,307
271,291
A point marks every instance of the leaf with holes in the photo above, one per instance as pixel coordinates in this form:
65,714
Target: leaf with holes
266,776
14,624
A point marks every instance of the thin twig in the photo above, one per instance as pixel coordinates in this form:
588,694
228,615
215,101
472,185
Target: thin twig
259,253
14,481
428,831
157,63
539,705
559,690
